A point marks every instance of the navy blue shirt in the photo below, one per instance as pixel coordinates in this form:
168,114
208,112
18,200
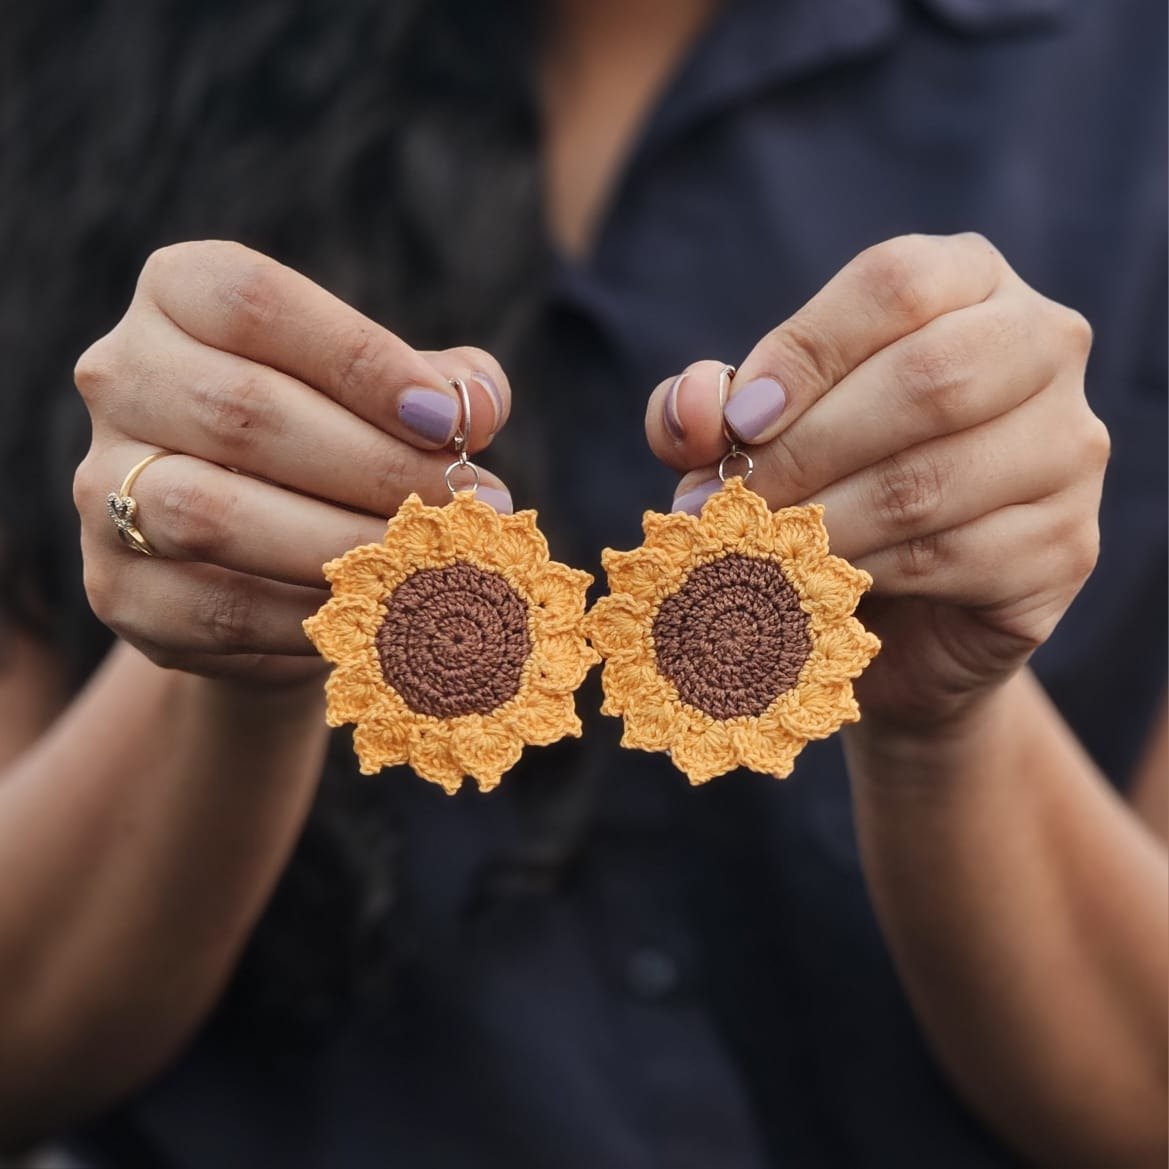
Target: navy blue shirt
702,983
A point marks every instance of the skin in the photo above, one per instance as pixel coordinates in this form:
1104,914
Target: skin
173,787
176,812
924,385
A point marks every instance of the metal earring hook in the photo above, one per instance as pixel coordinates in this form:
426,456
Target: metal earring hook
462,437
736,452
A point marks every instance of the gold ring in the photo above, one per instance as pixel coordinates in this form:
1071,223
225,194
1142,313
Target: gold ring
123,507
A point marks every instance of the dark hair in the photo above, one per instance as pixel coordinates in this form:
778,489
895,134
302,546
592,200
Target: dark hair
386,149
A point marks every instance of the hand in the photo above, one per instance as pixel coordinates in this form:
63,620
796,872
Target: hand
326,420
934,403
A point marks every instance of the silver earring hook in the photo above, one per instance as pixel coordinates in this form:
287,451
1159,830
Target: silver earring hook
462,437
736,452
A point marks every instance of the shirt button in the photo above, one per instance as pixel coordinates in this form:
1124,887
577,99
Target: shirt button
651,974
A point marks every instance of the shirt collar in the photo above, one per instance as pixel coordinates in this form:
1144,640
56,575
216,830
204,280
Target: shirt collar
991,16
756,44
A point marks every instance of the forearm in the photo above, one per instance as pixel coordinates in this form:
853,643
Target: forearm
139,841
1028,911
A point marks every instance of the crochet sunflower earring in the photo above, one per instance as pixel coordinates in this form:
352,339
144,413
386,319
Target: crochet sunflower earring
455,641
728,638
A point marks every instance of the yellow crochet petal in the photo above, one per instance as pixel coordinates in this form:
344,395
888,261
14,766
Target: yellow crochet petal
473,525
352,690
765,746
559,662
520,550
813,711
829,587
651,726
840,652
645,573
541,718
484,748
381,740
635,684
557,593
620,624
343,626
371,570
680,537
431,757
419,536
412,505
738,519
703,749
798,533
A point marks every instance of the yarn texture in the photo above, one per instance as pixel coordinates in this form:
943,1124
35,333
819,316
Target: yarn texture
455,642
729,638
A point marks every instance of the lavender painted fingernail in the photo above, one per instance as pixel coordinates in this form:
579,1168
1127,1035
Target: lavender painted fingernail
753,408
430,414
691,501
496,498
670,415
492,391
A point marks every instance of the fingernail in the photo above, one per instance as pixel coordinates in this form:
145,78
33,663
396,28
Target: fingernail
670,415
752,408
691,501
430,414
496,397
494,497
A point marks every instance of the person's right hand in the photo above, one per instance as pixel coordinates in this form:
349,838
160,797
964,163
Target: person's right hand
298,427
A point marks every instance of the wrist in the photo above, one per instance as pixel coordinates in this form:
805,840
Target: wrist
886,755
233,698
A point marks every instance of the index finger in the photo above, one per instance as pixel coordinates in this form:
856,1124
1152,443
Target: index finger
237,300
886,293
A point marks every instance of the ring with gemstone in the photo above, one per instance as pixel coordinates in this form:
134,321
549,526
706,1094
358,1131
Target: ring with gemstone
122,507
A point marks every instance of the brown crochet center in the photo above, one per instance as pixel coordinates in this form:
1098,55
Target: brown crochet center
733,637
454,641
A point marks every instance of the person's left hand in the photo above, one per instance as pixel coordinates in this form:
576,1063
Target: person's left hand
934,403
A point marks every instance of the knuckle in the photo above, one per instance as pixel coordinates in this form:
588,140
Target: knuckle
86,486
355,364
891,272
175,262
476,359
934,378
99,588
788,466
166,657
249,298
1097,444
1006,324
908,492
391,466
1075,532
194,519
1075,331
96,369
805,352
976,241
162,263
235,413
227,617
919,556
1084,552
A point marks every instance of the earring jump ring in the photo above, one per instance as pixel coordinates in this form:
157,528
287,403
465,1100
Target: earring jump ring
461,465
